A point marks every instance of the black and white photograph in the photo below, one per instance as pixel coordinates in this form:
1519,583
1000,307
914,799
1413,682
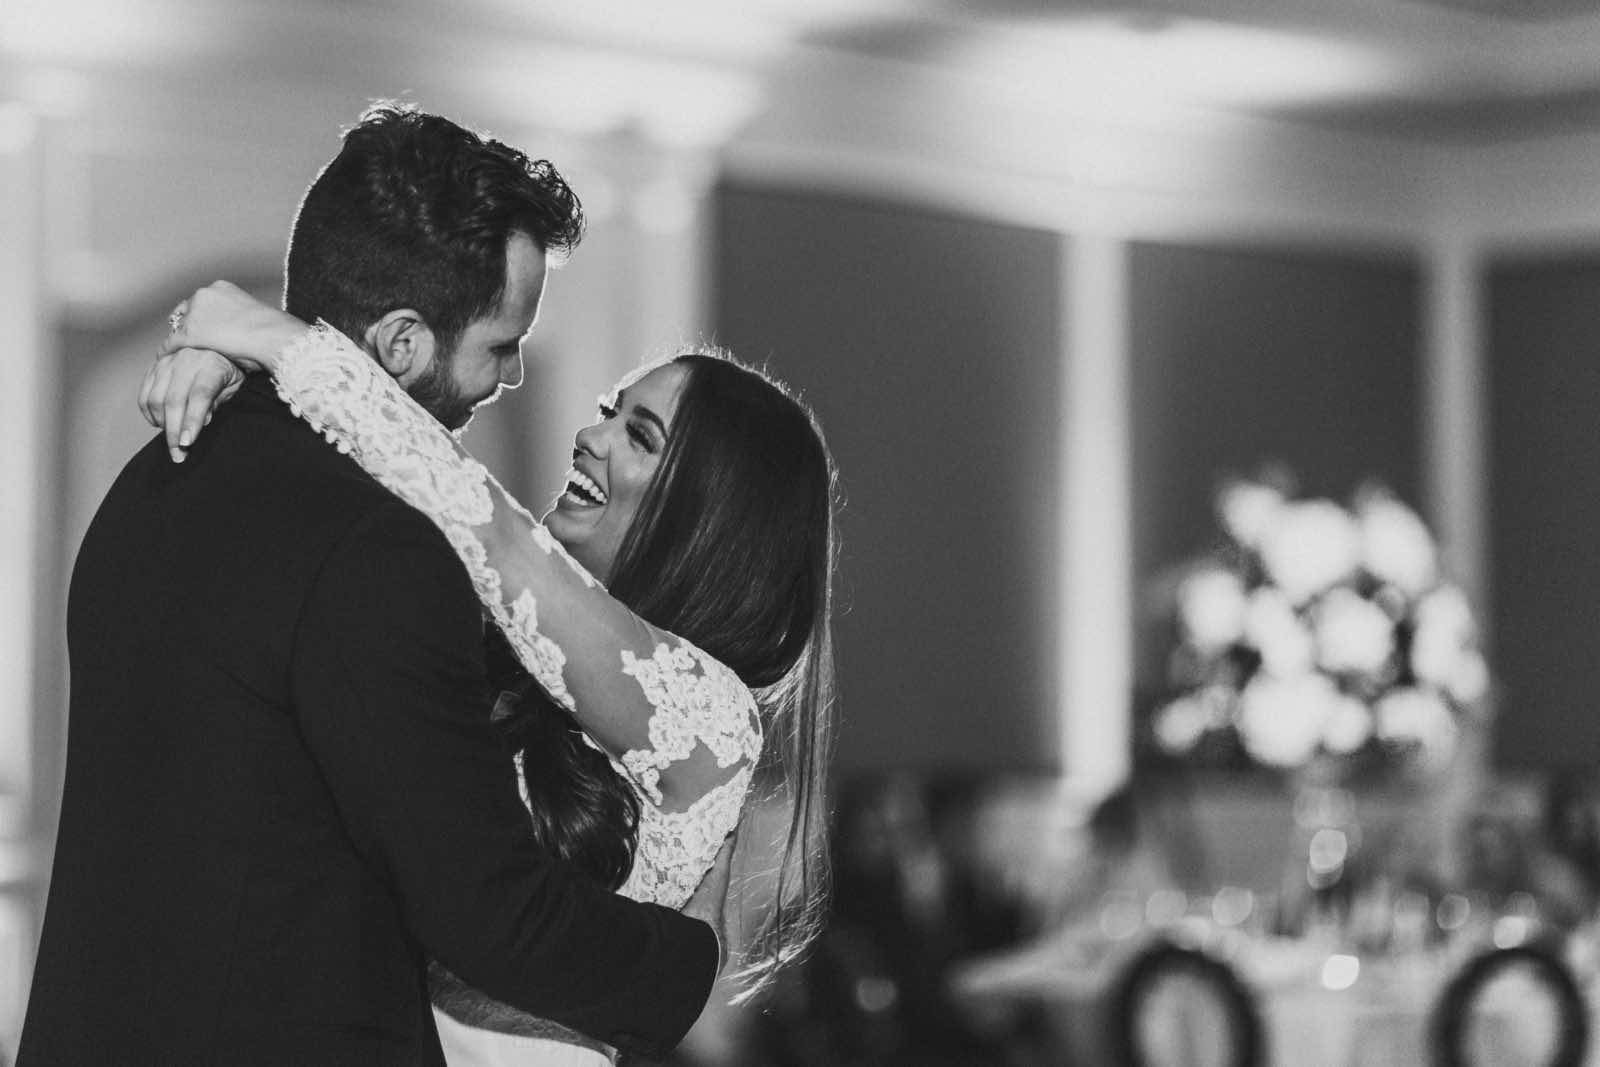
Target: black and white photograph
800,533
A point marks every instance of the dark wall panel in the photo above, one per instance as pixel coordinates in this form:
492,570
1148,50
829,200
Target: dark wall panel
1242,356
929,346
1544,534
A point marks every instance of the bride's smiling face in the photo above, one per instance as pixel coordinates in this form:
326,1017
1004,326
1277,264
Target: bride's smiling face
612,465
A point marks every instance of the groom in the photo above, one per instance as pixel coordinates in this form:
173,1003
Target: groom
283,792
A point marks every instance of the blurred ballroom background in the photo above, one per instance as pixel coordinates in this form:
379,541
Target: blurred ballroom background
1051,272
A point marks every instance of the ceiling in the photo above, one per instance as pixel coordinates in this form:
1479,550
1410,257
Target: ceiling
1445,68
1427,68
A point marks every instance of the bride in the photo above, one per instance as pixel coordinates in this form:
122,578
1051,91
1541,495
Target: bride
671,612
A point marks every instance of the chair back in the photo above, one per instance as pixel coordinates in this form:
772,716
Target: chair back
1512,1007
1175,1005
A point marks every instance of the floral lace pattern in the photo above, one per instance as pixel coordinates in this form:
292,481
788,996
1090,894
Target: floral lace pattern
676,848
339,390
695,703
564,628
541,656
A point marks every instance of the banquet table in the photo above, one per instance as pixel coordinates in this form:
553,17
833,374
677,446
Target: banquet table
1318,1006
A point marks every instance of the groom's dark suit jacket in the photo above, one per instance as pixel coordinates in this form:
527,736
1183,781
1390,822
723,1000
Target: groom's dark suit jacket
284,794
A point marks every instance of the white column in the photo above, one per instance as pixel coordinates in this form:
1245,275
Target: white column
1096,659
1454,413
669,202
1455,469
26,402
28,387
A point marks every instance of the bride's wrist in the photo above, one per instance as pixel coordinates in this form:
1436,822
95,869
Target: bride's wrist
274,340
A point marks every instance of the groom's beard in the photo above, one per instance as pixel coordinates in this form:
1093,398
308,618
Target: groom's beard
436,391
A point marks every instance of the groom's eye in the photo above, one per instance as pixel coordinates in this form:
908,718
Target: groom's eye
608,410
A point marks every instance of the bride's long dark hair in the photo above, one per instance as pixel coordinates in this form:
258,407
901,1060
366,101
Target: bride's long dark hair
733,549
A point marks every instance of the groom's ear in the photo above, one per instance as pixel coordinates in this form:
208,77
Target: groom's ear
404,344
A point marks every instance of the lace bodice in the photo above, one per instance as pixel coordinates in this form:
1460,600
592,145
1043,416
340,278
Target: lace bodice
677,724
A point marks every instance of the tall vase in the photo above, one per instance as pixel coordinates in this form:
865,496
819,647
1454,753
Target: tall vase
1325,851
1368,844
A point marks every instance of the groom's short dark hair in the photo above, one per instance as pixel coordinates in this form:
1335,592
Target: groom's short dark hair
415,212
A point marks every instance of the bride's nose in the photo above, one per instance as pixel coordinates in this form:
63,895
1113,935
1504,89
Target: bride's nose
590,439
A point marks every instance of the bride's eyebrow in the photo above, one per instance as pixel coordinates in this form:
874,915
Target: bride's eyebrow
645,413
619,402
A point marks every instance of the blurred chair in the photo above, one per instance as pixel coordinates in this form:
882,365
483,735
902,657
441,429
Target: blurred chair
1571,825
1511,1007
1173,1005
907,902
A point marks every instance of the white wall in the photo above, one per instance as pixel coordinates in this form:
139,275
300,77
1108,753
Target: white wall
1101,180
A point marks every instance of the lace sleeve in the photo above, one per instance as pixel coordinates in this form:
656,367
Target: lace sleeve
678,723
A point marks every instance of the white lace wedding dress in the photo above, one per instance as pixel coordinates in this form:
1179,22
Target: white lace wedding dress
679,726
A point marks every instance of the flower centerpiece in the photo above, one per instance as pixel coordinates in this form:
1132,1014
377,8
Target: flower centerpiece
1319,631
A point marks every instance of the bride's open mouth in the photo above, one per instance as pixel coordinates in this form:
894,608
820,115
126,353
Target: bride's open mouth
582,490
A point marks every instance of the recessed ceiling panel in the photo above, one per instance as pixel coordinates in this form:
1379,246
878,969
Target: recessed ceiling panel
1519,10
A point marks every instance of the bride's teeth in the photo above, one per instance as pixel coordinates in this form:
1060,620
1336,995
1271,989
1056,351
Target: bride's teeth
583,488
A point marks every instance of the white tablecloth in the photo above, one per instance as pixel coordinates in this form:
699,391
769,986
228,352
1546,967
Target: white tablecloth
1380,1020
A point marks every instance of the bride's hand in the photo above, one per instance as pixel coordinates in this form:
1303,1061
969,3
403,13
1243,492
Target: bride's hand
218,334
182,389
709,903
227,320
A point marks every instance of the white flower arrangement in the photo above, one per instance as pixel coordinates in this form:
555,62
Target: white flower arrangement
1321,630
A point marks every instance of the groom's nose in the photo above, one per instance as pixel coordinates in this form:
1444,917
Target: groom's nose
511,371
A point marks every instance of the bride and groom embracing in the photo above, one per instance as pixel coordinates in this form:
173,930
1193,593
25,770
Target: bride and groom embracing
297,826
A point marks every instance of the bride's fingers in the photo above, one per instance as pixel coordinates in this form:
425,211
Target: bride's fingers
180,335
175,402
145,388
186,390
171,343
178,339
175,323
207,385
197,382
156,395
209,306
